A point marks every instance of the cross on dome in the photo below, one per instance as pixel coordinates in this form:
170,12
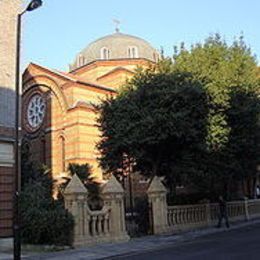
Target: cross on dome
117,23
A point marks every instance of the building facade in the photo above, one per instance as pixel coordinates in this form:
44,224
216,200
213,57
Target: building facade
8,19
59,120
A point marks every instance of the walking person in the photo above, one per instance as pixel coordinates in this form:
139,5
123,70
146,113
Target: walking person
257,192
222,212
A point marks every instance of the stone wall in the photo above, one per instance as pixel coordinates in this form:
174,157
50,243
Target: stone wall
8,16
6,188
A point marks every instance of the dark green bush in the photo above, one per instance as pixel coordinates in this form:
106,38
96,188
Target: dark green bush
43,219
190,198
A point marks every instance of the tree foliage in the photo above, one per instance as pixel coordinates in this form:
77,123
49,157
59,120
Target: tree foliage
158,125
84,172
229,76
192,118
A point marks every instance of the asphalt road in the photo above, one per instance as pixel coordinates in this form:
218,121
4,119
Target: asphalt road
237,244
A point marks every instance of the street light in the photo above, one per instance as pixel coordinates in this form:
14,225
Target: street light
34,4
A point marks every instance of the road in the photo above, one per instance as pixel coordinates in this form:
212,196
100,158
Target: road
237,244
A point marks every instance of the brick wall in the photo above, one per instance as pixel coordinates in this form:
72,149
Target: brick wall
6,206
6,188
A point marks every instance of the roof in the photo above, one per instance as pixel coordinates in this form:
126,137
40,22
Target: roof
118,45
115,70
73,78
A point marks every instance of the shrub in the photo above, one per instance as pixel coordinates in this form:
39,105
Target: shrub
44,220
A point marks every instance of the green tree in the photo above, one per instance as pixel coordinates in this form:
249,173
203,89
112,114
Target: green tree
191,118
85,174
229,77
244,140
82,170
158,124
220,69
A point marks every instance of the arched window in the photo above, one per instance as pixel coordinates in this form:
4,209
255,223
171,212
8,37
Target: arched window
43,152
25,149
81,60
62,154
132,52
105,53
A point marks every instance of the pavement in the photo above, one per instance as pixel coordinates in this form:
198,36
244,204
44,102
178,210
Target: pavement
135,246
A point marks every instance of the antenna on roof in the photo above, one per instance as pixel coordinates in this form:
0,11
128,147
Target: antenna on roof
117,23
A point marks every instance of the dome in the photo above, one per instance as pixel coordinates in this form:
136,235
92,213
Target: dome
115,46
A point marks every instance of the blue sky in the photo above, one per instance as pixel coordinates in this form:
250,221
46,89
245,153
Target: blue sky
55,33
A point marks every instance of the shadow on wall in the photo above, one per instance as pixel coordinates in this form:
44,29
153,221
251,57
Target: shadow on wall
37,122
43,121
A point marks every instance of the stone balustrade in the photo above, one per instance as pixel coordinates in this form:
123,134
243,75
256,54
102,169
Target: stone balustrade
92,227
96,226
236,210
188,217
108,224
201,215
253,208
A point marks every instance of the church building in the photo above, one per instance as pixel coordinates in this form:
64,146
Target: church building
59,121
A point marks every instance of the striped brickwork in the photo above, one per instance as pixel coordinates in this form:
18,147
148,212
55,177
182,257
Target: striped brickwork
69,129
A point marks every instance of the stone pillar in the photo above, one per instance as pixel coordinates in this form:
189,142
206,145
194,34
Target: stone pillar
113,195
208,213
75,196
157,201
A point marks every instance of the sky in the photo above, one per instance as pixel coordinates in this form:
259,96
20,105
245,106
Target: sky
56,32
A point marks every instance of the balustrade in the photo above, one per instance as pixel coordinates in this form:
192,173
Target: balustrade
186,217
98,222
254,208
181,217
108,224
190,216
91,227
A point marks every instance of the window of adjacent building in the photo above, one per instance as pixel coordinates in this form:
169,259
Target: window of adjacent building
105,53
6,154
132,52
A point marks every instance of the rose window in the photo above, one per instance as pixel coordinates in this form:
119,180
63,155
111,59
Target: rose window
36,111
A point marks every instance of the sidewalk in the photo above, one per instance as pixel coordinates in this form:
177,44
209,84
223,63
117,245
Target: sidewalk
134,246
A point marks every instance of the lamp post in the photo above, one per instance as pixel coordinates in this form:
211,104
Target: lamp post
34,4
